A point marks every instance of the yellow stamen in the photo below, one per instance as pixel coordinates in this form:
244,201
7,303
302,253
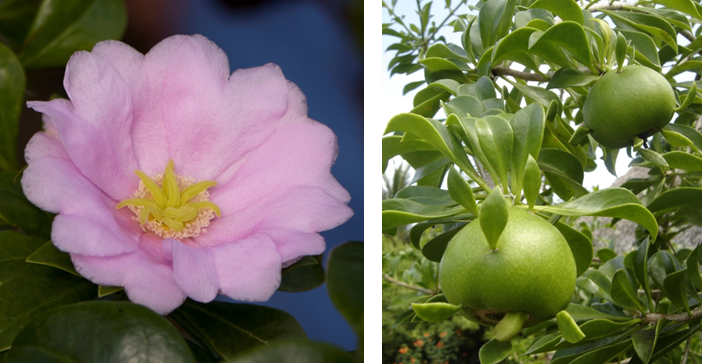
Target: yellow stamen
172,206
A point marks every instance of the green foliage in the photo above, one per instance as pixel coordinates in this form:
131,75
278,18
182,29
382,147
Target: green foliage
503,107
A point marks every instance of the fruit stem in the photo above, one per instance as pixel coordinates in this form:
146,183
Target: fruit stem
510,325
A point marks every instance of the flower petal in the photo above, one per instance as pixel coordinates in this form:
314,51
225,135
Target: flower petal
249,269
195,271
293,244
146,281
212,118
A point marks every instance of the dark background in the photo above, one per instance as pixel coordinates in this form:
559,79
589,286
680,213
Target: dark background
318,46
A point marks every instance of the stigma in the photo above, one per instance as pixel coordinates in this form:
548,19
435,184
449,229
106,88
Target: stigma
172,206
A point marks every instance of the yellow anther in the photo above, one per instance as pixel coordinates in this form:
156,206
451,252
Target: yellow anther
172,206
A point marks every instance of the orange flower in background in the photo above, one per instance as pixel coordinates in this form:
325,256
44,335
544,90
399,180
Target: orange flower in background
412,360
419,343
426,334
442,334
439,345
403,350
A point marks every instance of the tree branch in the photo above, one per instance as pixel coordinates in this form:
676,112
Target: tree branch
528,76
687,35
677,317
616,5
403,284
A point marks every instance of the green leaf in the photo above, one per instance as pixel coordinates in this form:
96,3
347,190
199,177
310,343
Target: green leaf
528,127
493,217
495,137
646,49
443,51
689,98
682,160
298,351
464,105
302,277
611,202
660,266
565,9
100,331
17,211
12,83
228,329
345,283
644,341
434,133
435,311
394,145
693,268
411,86
670,342
563,171
494,351
15,247
398,212
567,35
494,20
651,24
16,17
623,294
64,27
22,297
580,246
434,248
531,182
599,328
600,355
108,290
461,192
515,47
538,94
676,139
653,157
584,313
620,50
568,328
49,255
686,6
675,287
429,107
569,77
676,198
641,267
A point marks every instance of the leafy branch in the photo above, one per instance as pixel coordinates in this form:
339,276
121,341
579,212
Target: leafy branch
403,284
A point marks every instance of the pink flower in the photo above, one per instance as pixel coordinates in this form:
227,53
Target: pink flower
258,170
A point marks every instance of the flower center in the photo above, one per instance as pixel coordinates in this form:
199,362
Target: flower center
172,206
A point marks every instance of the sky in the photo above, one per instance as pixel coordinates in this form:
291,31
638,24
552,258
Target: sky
394,102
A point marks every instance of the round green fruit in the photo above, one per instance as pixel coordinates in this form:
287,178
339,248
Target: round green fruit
531,271
636,102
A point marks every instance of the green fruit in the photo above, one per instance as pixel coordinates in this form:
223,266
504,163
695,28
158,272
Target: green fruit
532,270
637,102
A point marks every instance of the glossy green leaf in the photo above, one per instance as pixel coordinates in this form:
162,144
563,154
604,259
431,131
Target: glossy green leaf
531,182
298,351
653,157
569,77
676,198
689,98
514,47
64,27
430,106
442,50
16,17
394,145
620,50
435,311
538,94
434,248
494,351
565,9
599,328
465,105
683,160
623,294
587,284
493,217
434,133
644,46
650,24
693,268
470,130
461,192
108,290
611,202
528,127
641,267
398,212
12,83
580,246
563,171
584,313
644,341
228,329
49,255
670,342
305,276
599,355
686,6
568,328
660,266
100,331
345,283
495,137
675,288
494,20
15,247
22,297
567,35
17,211
411,86
676,139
